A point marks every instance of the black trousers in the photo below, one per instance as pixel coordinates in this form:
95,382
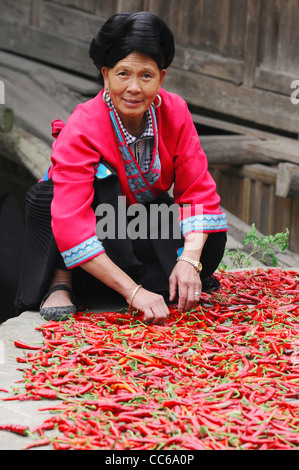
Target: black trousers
149,261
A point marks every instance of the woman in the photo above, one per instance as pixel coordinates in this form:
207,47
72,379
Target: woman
132,141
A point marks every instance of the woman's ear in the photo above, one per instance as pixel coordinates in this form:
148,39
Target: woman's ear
104,71
162,75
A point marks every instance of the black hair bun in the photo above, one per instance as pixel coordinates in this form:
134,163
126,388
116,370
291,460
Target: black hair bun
129,32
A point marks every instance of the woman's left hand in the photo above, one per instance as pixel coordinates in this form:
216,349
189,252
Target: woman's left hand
186,281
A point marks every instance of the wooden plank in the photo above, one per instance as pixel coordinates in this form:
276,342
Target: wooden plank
279,82
35,12
28,67
226,196
257,172
20,11
283,212
245,199
224,97
200,42
271,210
280,150
69,22
226,125
294,228
230,150
207,63
264,203
216,175
86,5
34,106
212,26
46,46
106,9
128,5
287,184
270,13
255,206
278,51
251,41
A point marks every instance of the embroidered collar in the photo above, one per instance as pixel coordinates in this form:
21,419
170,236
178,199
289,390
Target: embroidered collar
130,139
140,183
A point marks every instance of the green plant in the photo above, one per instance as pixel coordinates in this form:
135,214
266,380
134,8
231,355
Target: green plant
261,247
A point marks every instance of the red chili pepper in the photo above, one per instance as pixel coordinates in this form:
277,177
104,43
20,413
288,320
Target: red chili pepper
20,344
47,334
259,371
47,426
20,396
15,428
277,349
124,386
246,368
78,391
45,393
61,446
182,358
233,369
38,443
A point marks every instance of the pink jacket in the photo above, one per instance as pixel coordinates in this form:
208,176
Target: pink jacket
88,138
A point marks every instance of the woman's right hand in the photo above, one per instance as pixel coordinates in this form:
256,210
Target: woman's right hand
152,305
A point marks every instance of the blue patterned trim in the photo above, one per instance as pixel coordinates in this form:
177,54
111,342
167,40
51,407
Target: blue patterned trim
138,182
102,172
45,178
179,251
204,223
82,252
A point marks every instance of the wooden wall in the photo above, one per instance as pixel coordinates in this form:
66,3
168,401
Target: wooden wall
236,58
249,192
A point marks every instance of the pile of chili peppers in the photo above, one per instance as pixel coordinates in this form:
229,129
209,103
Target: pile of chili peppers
222,376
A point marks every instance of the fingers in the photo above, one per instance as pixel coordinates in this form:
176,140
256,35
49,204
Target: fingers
186,281
189,295
197,293
152,305
172,288
150,317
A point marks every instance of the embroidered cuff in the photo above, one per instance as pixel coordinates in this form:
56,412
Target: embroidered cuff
204,223
82,252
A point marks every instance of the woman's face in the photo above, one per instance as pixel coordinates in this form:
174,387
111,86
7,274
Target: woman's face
133,85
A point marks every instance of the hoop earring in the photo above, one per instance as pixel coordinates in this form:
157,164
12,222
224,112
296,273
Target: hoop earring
159,102
105,96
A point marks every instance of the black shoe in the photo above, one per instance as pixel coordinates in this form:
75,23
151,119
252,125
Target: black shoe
210,284
57,313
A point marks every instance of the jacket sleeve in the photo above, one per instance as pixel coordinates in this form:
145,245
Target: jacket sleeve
194,187
74,160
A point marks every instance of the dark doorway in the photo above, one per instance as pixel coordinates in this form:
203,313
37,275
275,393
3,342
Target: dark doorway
11,244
